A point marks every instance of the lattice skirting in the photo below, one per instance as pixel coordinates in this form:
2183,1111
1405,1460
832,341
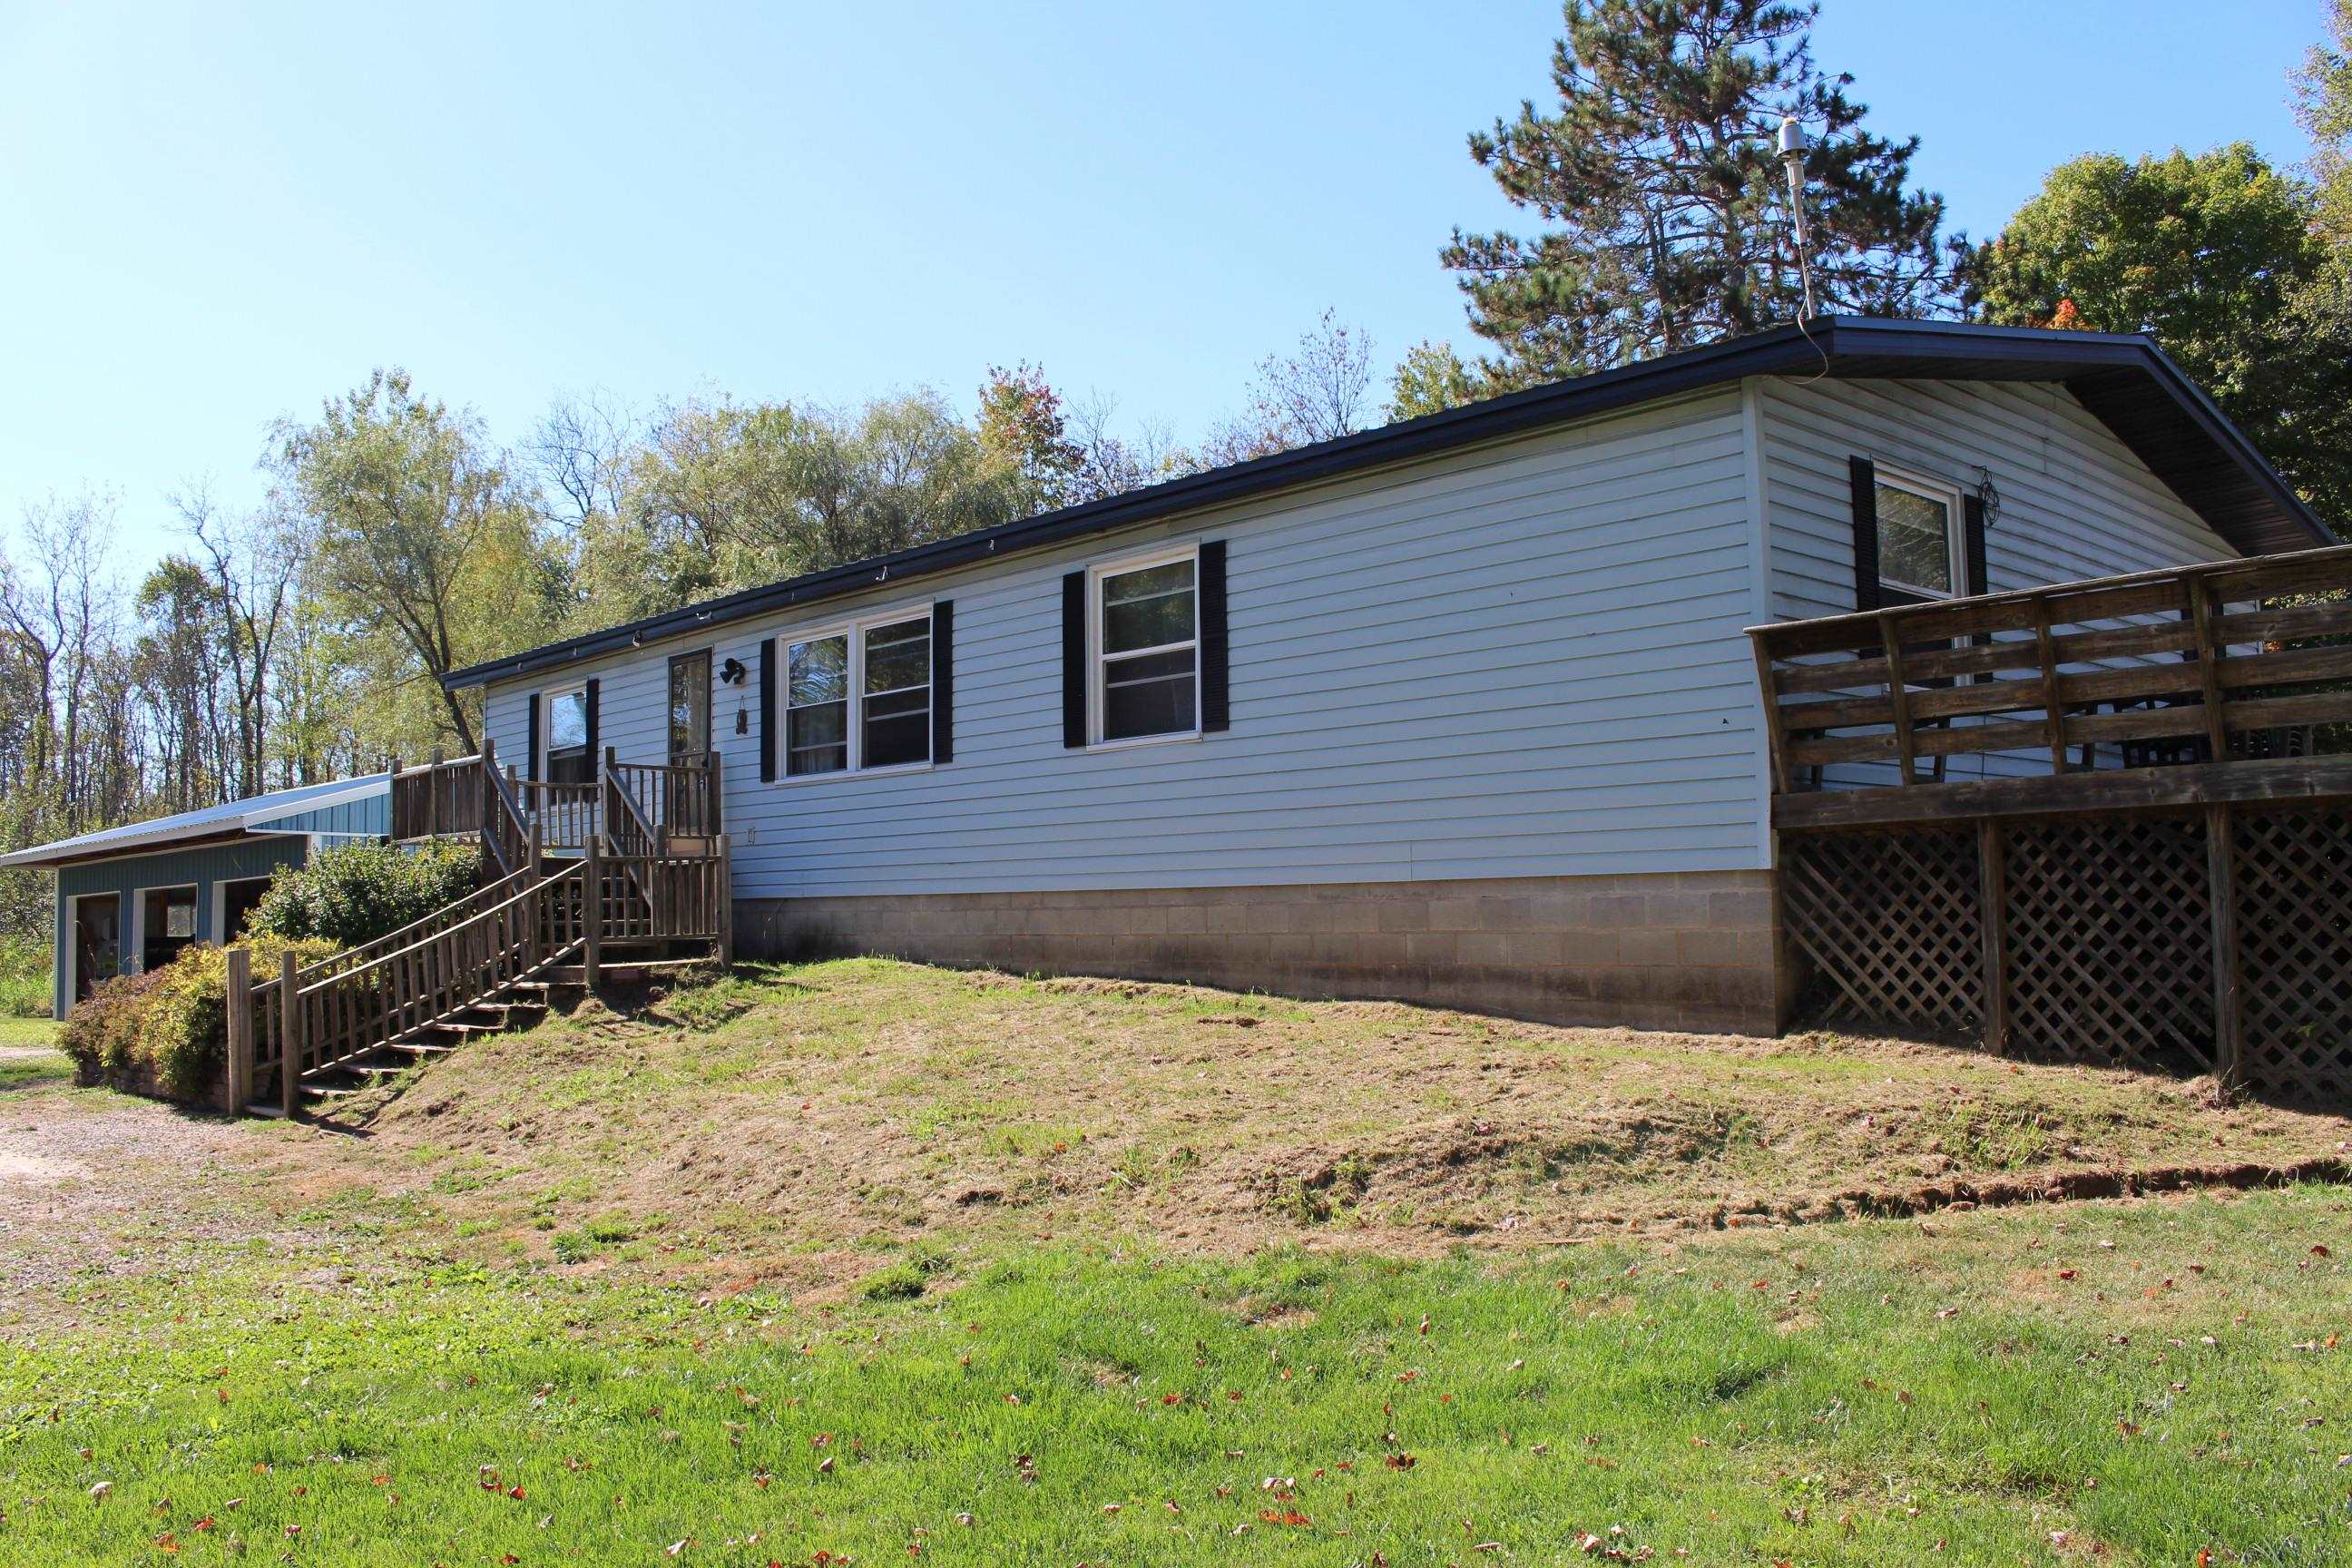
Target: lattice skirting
2111,941
2107,928
2294,873
1891,925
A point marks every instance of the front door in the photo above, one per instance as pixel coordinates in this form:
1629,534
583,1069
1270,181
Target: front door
98,941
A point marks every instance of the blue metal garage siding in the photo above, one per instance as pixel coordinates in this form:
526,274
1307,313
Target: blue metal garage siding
205,866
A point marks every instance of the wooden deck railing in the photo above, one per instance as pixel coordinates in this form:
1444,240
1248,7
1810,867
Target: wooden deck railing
680,798
441,799
454,799
566,815
2229,661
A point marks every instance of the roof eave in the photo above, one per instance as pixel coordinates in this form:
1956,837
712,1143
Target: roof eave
2053,356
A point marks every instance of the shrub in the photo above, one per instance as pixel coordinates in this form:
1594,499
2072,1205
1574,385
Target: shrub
353,893
168,1029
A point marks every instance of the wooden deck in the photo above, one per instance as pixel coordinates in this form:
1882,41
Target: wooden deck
2109,819
634,861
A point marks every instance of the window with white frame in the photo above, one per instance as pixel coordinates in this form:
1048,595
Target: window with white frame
894,684
567,736
884,666
1920,552
1147,646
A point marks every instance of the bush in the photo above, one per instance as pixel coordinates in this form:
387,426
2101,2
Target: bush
353,893
167,1029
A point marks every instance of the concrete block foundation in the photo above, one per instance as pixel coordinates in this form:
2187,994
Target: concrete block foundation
1688,950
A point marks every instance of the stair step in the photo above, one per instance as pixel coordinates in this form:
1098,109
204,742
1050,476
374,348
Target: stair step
275,1113
625,970
415,1049
373,1071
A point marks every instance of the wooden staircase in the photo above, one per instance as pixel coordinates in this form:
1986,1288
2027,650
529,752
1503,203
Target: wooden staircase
637,898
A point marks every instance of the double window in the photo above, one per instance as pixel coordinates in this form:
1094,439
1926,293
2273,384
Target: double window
858,699
1146,641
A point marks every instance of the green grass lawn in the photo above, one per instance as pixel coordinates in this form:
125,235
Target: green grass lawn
18,1068
29,1031
1858,1394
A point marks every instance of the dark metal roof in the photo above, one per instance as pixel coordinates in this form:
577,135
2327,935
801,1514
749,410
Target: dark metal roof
2125,380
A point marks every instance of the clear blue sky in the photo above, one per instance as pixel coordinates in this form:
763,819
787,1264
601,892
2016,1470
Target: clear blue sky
212,214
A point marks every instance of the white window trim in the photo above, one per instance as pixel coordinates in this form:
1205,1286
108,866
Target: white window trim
854,630
139,915
544,763
1096,701
220,903
72,943
1912,482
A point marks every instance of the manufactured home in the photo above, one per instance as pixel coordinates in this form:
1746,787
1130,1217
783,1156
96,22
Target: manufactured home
1464,709
129,899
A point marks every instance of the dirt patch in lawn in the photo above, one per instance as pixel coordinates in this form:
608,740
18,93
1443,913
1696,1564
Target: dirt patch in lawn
95,1183
800,1128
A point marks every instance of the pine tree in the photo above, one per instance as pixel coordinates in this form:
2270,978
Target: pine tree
1661,170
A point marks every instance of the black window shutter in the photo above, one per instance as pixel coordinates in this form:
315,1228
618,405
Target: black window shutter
1215,651
531,739
1972,530
1864,475
595,754
1073,660
1972,525
943,681
768,710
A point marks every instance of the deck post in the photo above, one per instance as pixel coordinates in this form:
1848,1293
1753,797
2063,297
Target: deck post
2229,1017
591,912
1898,696
289,1034
490,855
1992,914
722,894
714,796
240,1029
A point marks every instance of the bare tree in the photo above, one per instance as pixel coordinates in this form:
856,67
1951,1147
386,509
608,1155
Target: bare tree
1323,390
583,451
251,564
1110,464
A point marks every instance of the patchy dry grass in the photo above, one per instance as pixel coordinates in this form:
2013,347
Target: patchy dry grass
801,1126
862,1261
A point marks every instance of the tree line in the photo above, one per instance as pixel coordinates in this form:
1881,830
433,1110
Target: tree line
303,638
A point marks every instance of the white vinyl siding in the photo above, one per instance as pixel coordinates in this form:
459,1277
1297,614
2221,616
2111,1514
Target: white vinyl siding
1522,660
2075,503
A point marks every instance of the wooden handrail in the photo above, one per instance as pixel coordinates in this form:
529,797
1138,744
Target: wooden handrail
424,942
2192,658
445,915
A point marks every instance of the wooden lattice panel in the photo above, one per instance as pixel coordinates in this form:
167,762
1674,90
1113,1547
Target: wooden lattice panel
2294,873
1890,922
2110,940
